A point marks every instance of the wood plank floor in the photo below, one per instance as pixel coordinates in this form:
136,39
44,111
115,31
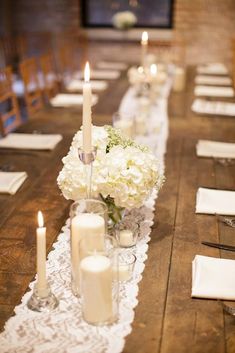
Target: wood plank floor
167,320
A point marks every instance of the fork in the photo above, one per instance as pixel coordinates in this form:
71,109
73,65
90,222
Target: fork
229,309
225,161
228,221
6,167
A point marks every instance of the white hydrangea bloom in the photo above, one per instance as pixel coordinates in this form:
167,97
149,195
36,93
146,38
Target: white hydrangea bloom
124,20
126,173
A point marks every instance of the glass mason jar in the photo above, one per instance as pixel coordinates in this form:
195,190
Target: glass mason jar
88,219
99,282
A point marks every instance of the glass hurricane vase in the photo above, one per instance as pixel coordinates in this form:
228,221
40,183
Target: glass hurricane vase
115,213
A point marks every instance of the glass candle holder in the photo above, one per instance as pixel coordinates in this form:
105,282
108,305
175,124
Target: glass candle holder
141,124
88,219
99,283
126,266
144,106
125,122
126,235
42,302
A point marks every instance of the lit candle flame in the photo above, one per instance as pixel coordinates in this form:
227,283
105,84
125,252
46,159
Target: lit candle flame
140,70
145,38
40,219
87,72
153,69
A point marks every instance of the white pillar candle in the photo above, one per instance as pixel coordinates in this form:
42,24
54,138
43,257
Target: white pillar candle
86,113
91,226
144,48
41,257
126,238
126,127
179,79
96,287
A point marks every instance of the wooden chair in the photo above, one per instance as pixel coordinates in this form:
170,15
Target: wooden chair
51,79
33,89
65,58
9,109
63,65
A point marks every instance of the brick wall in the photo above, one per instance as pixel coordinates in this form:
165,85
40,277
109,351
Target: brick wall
45,15
207,26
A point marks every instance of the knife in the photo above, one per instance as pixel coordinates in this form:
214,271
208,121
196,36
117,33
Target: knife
219,246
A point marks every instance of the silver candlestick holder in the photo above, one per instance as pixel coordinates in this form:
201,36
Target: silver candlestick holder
42,300
87,158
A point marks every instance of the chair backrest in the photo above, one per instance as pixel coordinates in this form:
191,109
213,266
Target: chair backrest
50,75
9,109
64,64
65,59
33,85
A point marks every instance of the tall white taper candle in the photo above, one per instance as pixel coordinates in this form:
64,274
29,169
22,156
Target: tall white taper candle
41,256
144,46
86,114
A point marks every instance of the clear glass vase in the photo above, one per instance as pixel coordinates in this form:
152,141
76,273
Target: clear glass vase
115,213
99,282
89,221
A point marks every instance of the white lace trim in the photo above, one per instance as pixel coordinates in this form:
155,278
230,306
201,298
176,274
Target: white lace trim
64,330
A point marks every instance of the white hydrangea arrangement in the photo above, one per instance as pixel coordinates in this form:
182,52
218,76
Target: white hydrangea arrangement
123,171
124,20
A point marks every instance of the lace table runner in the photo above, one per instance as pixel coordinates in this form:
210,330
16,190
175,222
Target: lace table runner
64,330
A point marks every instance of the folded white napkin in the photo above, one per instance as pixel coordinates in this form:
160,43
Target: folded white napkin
210,201
213,68
203,106
215,149
213,91
111,65
10,182
30,141
213,278
77,85
64,100
213,80
100,74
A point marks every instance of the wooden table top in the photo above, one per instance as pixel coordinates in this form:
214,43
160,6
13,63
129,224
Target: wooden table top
167,319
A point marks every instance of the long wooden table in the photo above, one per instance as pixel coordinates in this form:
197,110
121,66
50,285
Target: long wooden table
167,319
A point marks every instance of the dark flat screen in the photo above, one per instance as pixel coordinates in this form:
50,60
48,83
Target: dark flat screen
149,13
